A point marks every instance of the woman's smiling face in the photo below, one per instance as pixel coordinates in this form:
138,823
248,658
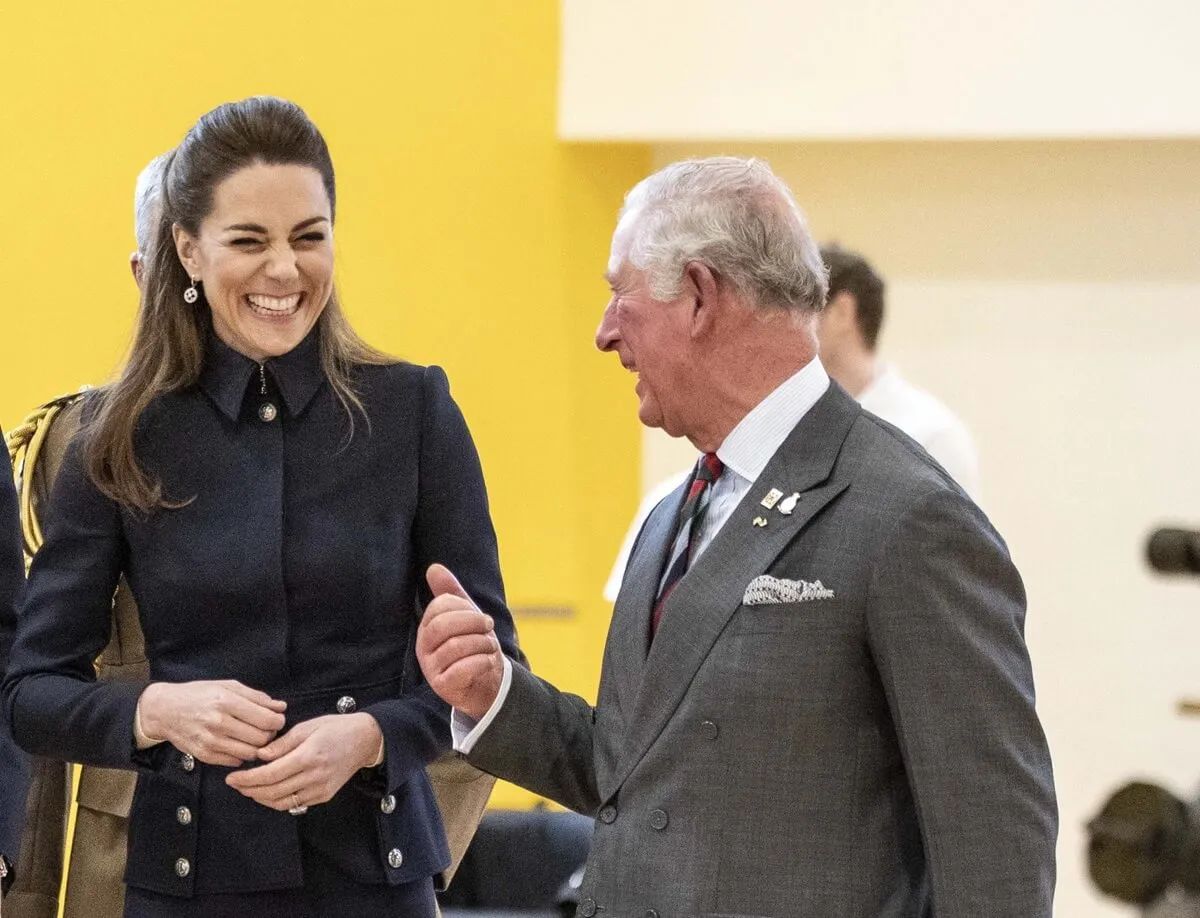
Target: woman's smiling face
264,256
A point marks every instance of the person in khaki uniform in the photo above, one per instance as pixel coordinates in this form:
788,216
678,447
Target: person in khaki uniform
95,870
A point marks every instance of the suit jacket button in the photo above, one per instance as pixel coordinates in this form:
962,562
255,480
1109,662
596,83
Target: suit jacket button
650,913
182,867
346,704
267,412
710,730
388,804
587,908
183,816
187,762
608,815
395,858
658,819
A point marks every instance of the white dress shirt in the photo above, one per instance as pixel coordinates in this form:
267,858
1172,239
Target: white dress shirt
928,421
744,453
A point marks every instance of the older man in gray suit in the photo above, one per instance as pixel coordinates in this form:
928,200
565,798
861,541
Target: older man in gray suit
816,698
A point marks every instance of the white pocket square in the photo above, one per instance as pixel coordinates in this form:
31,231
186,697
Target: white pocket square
765,590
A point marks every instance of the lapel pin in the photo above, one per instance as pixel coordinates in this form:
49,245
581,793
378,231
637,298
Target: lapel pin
772,498
760,521
788,504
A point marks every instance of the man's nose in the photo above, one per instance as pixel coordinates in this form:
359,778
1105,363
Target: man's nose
606,334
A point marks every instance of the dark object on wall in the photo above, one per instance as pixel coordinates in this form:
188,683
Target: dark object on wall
1143,841
1174,551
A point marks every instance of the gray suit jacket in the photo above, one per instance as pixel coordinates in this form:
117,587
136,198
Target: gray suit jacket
874,753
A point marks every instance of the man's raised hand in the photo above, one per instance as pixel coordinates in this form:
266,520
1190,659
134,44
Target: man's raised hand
457,647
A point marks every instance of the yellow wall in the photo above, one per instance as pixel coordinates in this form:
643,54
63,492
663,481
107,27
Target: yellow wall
467,235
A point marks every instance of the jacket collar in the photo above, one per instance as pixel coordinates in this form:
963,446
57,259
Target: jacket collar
227,375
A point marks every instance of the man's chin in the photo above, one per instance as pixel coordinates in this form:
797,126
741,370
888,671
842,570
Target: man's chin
656,420
649,415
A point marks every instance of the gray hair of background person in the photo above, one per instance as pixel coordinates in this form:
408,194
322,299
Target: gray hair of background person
851,273
147,201
733,215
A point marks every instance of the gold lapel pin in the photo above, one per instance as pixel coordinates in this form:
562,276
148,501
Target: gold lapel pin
772,498
760,521
788,504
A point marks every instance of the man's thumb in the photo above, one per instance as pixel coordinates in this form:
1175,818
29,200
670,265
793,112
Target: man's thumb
441,581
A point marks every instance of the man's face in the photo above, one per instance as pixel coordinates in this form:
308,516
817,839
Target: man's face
651,338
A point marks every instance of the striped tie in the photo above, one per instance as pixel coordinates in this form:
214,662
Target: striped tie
691,516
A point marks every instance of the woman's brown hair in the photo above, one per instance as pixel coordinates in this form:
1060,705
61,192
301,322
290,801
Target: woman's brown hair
169,340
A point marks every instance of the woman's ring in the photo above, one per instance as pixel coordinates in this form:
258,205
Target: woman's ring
299,809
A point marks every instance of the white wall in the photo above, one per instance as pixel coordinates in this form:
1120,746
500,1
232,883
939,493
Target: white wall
762,69
1050,293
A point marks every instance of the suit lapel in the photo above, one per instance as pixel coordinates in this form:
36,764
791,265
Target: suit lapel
711,591
631,615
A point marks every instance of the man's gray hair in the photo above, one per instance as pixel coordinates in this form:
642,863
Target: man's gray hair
733,215
147,201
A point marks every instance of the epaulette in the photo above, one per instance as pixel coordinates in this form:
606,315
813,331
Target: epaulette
24,444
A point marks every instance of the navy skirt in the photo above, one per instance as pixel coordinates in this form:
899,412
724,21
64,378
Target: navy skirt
326,893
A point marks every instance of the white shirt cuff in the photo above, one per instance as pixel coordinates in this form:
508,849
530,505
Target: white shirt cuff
464,730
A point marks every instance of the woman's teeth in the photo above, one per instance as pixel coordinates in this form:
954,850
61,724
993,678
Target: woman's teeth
273,305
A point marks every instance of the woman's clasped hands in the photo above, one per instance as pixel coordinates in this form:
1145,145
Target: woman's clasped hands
227,723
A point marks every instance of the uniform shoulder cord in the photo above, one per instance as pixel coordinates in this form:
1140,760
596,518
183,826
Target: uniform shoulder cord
24,444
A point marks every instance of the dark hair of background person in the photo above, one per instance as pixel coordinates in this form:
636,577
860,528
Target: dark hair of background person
169,340
853,274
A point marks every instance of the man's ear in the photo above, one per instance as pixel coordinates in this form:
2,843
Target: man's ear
705,288
186,247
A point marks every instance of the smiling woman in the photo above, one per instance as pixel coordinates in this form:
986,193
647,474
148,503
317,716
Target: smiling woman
276,552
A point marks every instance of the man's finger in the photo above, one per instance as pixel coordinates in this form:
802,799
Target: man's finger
453,622
441,581
461,647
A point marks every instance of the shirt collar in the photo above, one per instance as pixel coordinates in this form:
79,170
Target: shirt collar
227,374
758,436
